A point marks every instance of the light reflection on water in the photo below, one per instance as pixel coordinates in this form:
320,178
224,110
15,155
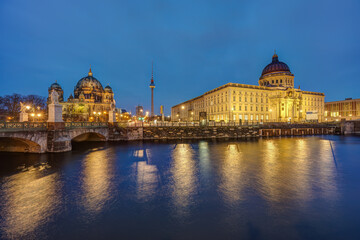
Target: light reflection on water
231,188
183,178
96,181
30,200
232,170
146,175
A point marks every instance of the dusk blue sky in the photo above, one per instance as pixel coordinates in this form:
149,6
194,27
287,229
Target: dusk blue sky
195,45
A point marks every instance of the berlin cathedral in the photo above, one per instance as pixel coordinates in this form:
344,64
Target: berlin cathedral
90,102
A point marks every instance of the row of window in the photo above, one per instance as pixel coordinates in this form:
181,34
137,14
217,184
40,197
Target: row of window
239,108
241,117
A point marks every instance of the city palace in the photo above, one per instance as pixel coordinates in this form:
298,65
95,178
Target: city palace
275,99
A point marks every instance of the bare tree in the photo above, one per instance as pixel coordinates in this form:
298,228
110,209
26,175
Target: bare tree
10,104
35,100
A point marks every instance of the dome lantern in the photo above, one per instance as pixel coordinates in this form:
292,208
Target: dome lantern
90,73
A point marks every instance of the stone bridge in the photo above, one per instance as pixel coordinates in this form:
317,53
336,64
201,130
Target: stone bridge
58,137
43,137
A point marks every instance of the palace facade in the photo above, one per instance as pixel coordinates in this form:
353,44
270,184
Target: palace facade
274,100
348,109
90,102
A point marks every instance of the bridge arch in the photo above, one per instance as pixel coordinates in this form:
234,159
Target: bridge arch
89,136
80,135
16,144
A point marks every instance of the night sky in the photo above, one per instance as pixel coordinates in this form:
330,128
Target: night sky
195,45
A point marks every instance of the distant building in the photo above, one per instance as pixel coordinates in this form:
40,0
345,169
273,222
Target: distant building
139,111
274,100
348,109
90,102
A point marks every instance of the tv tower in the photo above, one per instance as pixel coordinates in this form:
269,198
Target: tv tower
152,86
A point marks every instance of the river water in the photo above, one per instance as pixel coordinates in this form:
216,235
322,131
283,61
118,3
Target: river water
278,188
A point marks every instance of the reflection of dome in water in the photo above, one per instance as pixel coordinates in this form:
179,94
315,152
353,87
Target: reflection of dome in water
275,66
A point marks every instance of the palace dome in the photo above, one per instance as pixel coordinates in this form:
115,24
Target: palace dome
275,66
89,82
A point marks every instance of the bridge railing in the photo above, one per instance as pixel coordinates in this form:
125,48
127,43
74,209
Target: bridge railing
224,124
185,124
86,124
22,126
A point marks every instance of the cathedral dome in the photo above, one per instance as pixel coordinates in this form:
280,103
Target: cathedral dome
55,85
89,82
275,66
108,89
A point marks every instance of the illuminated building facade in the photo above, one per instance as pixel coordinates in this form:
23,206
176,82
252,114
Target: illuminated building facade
348,109
139,111
90,102
274,100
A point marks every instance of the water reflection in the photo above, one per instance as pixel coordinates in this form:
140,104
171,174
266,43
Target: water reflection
97,181
327,171
204,159
218,189
288,168
232,174
183,172
146,173
29,200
